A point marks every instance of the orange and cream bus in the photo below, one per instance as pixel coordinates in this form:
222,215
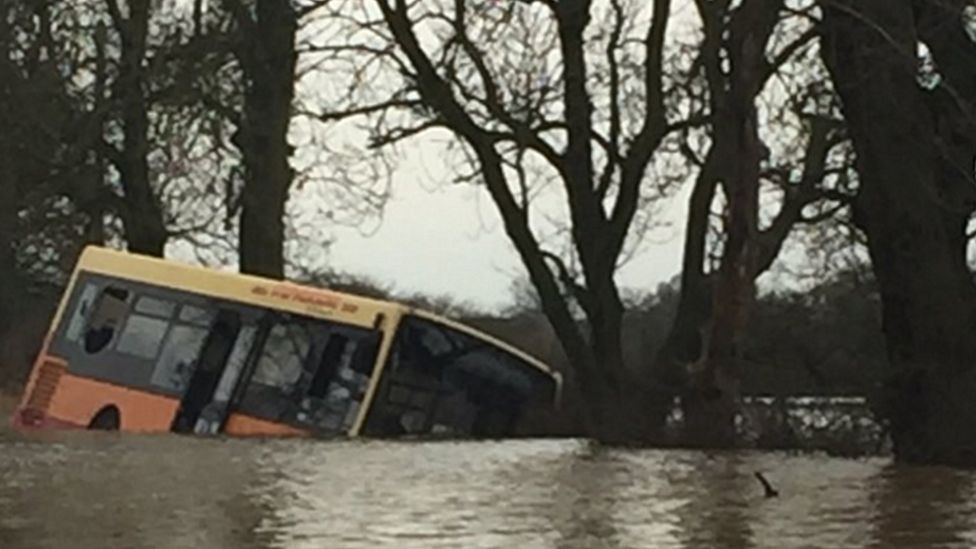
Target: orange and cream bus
142,344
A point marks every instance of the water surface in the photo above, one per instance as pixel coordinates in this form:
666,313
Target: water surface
95,490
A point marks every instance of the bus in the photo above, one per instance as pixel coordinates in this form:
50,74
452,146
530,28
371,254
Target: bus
141,344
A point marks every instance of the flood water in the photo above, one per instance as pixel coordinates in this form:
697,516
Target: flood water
95,490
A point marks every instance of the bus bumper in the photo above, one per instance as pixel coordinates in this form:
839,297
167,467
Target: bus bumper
26,419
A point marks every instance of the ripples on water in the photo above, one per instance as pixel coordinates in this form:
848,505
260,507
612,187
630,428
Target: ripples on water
92,490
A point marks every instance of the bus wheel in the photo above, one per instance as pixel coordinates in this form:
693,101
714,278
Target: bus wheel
107,419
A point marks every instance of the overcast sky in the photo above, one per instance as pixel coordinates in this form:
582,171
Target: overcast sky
449,240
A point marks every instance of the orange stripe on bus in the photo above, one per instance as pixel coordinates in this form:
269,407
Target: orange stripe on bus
244,425
78,399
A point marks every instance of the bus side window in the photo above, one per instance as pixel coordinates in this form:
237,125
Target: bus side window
105,319
145,327
280,363
79,318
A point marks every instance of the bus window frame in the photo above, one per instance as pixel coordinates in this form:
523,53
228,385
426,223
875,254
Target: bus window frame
450,332
120,368
135,372
376,334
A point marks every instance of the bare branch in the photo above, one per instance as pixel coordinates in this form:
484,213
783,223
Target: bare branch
335,116
791,211
649,136
586,210
614,91
821,216
399,134
804,40
566,278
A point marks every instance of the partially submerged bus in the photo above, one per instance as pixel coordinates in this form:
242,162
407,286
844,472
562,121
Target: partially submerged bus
142,344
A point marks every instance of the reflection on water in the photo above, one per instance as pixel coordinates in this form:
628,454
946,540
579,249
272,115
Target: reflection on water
98,490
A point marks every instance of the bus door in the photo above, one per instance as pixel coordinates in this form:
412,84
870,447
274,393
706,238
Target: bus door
309,373
219,366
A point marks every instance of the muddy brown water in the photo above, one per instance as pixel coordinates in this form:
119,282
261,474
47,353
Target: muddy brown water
96,490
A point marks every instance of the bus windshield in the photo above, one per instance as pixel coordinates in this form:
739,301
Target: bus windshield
444,382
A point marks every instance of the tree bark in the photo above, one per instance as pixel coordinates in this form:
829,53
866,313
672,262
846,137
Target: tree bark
267,54
913,230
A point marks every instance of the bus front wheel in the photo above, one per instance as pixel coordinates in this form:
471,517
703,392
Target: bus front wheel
107,419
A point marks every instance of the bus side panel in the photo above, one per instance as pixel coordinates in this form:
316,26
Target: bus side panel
42,356
78,399
244,425
30,388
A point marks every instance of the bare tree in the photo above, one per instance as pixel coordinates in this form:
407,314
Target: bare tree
743,50
564,97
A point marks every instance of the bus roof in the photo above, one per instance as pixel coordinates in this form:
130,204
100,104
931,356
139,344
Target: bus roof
464,328
248,289
268,293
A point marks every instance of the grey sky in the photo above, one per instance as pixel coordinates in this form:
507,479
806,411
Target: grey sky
449,240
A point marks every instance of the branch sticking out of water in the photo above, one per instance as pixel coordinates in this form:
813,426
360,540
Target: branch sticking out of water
768,489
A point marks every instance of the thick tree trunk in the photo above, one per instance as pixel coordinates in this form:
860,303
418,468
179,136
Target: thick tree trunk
685,343
618,405
913,230
9,199
713,312
623,407
88,195
145,229
8,227
711,402
268,58
953,109
626,414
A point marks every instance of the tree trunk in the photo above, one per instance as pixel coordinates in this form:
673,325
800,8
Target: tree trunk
711,402
623,406
8,227
618,405
145,230
913,228
9,199
683,344
713,314
268,58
